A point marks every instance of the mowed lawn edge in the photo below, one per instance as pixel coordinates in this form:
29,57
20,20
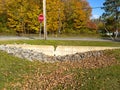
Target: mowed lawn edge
55,43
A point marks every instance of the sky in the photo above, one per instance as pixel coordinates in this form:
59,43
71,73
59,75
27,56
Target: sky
96,12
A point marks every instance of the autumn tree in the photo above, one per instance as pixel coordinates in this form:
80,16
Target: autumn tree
92,25
77,14
23,15
3,14
81,15
55,15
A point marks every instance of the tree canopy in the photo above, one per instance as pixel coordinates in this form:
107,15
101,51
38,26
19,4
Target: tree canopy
22,15
111,16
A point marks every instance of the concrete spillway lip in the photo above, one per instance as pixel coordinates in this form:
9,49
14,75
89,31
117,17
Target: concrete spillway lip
60,50
64,50
45,49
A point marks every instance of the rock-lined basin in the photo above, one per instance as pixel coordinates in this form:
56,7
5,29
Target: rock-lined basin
49,53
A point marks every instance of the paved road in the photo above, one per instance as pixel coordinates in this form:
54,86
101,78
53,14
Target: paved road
12,38
50,38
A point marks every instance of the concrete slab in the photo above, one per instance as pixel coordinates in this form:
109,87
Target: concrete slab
45,49
64,50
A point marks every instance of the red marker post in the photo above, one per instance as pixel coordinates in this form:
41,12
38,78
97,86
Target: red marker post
40,19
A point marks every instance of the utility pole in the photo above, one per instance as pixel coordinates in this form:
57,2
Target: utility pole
44,14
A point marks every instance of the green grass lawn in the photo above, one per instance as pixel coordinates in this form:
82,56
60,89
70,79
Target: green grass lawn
20,74
63,42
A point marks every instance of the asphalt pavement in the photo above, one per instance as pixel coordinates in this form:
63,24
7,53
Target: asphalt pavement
52,38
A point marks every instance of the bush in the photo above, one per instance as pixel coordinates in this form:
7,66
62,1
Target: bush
6,31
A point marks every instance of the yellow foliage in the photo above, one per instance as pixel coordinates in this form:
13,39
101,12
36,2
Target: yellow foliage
23,14
54,14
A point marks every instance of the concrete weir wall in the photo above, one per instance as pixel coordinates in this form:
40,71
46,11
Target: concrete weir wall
48,53
66,50
60,50
45,49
